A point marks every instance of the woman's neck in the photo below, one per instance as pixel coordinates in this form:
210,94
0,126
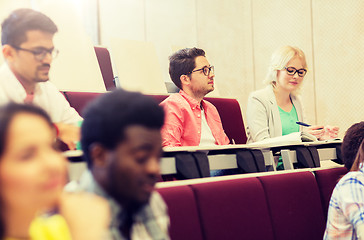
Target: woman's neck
282,97
17,222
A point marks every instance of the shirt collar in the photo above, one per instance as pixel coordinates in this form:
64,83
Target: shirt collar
193,102
88,183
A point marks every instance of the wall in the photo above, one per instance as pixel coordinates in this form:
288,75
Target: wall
76,67
239,37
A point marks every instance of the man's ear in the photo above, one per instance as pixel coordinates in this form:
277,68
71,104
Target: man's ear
98,155
8,52
185,80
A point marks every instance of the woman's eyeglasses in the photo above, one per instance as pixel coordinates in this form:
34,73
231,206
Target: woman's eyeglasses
292,71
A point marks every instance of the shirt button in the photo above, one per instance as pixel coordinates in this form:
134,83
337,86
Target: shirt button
198,132
193,108
198,115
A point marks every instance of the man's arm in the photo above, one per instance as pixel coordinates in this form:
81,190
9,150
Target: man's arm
351,201
173,126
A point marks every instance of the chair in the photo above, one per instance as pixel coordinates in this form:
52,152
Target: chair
233,209
326,181
103,57
295,206
79,100
183,213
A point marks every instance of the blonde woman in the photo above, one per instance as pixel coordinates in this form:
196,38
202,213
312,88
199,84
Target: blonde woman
274,110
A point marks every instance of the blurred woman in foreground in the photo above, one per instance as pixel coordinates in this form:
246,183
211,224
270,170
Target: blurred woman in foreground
32,177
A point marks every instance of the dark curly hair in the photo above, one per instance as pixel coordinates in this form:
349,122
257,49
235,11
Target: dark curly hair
351,142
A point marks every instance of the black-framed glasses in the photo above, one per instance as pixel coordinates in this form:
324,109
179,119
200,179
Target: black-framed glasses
292,71
40,54
206,70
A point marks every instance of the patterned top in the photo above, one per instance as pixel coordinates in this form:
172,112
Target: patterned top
182,125
150,222
346,210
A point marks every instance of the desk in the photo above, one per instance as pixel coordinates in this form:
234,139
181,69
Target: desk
224,157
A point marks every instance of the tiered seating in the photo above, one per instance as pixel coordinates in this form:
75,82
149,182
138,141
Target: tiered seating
79,100
103,57
294,205
326,181
185,222
277,206
233,209
229,110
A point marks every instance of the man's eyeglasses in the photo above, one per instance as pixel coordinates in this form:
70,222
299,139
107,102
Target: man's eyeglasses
206,70
40,54
292,71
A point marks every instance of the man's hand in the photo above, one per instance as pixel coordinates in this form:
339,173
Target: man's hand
69,134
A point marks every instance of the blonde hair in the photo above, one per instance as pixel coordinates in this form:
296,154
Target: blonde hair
279,60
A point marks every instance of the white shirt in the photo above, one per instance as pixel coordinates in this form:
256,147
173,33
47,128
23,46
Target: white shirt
207,139
46,96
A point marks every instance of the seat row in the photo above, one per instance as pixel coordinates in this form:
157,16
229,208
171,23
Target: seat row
229,110
267,206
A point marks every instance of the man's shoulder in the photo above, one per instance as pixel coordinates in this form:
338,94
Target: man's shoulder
86,183
175,99
48,86
352,177
352,181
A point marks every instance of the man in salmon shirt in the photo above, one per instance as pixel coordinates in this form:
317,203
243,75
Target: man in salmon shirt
190,120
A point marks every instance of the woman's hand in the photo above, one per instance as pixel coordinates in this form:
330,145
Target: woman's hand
316,130
331,132
87,215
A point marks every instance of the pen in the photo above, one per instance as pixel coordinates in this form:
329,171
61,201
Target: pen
303,124
306,125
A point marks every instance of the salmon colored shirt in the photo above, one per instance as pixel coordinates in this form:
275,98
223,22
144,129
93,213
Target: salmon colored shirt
183,121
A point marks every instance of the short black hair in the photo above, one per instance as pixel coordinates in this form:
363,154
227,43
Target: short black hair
183,62
351,142
7,114
107,117
15,26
